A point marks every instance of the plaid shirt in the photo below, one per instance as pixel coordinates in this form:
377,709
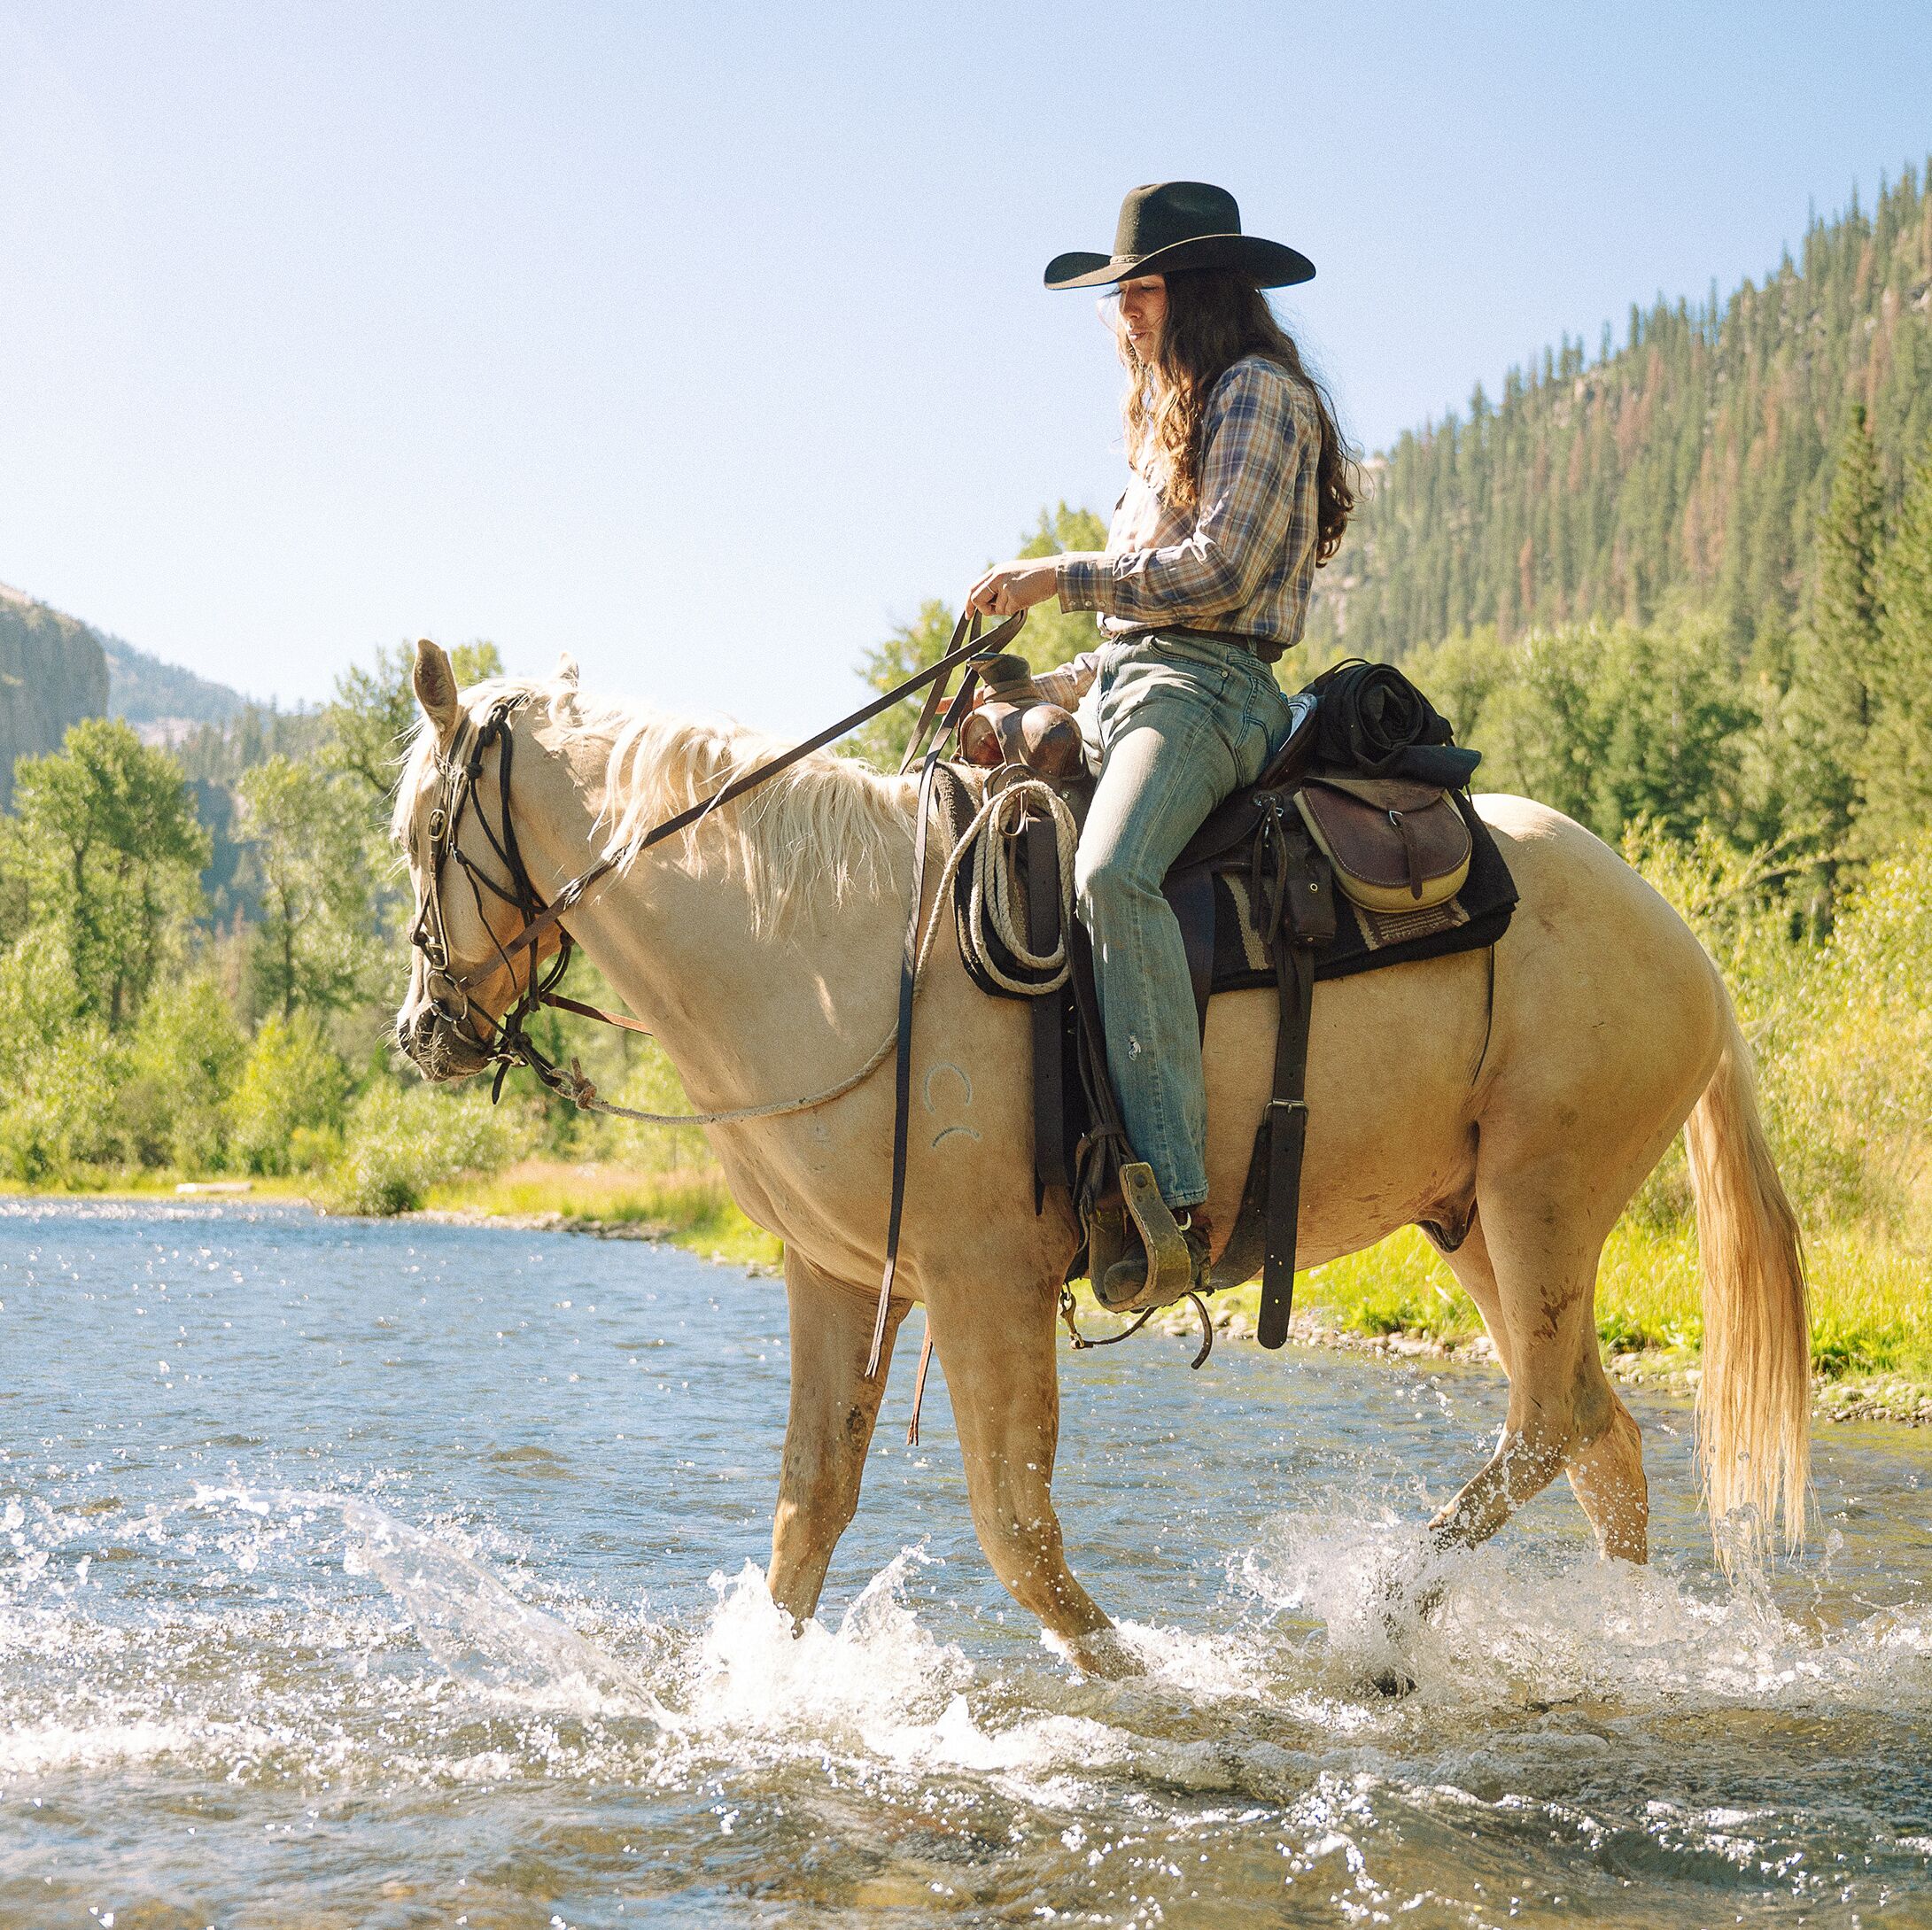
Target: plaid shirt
1245,561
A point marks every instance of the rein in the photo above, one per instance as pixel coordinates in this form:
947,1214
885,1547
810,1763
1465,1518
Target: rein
504,1040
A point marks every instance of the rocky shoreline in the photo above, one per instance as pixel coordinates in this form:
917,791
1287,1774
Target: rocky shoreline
651,1232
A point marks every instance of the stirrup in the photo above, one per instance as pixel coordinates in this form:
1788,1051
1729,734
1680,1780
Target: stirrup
1170,1267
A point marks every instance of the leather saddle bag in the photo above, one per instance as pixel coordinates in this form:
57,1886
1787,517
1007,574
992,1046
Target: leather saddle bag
1396,846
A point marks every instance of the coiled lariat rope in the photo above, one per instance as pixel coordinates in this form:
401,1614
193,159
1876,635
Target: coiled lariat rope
993,888
992,904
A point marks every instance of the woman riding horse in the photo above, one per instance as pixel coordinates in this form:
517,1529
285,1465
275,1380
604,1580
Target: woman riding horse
1511,1100
1240,489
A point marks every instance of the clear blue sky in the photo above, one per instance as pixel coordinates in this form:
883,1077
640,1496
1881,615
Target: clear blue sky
706,341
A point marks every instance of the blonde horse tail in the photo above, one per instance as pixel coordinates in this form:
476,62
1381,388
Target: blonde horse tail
1755,1398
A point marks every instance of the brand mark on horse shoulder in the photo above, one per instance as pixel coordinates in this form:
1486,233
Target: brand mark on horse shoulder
933,1076
934,1071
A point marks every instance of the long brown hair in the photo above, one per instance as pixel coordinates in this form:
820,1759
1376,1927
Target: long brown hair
1215,317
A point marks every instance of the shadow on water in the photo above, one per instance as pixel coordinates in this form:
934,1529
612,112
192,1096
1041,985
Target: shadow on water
291,1635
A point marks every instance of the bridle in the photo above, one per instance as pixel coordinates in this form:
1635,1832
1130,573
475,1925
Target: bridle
504,1042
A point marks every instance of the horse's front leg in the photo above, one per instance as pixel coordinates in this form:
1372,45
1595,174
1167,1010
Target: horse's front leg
996,1345
833,1409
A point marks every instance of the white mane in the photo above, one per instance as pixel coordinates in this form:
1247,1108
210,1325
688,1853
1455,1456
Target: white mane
828,825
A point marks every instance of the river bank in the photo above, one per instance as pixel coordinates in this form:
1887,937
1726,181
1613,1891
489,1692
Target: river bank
1870,1303
1871,1345
1892,1397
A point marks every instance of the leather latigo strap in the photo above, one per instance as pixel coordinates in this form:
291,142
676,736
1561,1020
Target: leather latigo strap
1294,895
1046,1016
1287,1128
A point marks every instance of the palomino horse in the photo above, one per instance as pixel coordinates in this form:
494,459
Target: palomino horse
1518,1098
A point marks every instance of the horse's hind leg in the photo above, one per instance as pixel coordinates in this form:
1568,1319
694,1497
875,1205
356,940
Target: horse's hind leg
1607,1477
996,1345
1606,1466
833,1409
1533,1273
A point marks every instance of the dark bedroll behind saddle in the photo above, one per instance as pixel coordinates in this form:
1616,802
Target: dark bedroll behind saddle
1256,891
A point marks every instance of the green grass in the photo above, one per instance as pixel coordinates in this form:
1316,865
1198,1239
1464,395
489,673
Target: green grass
687,1206
1871,1301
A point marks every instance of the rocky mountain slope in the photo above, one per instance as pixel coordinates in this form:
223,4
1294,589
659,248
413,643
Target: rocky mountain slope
56,669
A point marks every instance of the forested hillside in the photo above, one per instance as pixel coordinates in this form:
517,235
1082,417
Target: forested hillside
52,673
1695,457
144,690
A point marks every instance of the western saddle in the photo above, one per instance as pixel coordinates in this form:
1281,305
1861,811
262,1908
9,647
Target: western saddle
1350,853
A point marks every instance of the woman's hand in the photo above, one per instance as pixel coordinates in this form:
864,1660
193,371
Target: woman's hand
1016,585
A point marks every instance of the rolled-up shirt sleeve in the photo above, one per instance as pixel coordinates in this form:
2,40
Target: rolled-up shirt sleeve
1251,452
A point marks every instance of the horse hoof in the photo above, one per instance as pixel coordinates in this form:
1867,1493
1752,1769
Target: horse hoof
1103,1654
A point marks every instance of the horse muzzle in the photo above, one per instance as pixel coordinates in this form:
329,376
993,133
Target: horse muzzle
439,1045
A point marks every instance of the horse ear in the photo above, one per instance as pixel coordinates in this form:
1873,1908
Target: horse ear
436,690
567,670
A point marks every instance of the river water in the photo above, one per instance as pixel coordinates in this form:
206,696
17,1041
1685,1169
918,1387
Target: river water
368,1575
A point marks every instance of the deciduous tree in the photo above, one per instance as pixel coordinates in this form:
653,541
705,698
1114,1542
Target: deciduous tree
110,852
314,950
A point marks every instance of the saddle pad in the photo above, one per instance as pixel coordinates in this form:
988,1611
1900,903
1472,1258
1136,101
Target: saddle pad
1366,941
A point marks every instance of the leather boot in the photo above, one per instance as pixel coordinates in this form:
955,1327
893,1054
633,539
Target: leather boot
1124,1290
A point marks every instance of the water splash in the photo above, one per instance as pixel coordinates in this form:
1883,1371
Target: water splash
869,1679
464,1614
1498,1626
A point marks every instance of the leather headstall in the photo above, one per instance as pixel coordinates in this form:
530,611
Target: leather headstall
459,770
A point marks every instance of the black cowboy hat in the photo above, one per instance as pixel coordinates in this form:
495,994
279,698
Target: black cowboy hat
1181,224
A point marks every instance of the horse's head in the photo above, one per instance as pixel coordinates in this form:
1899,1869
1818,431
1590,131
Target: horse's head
451,820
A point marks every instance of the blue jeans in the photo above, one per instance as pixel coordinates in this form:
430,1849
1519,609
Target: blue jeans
1182,723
